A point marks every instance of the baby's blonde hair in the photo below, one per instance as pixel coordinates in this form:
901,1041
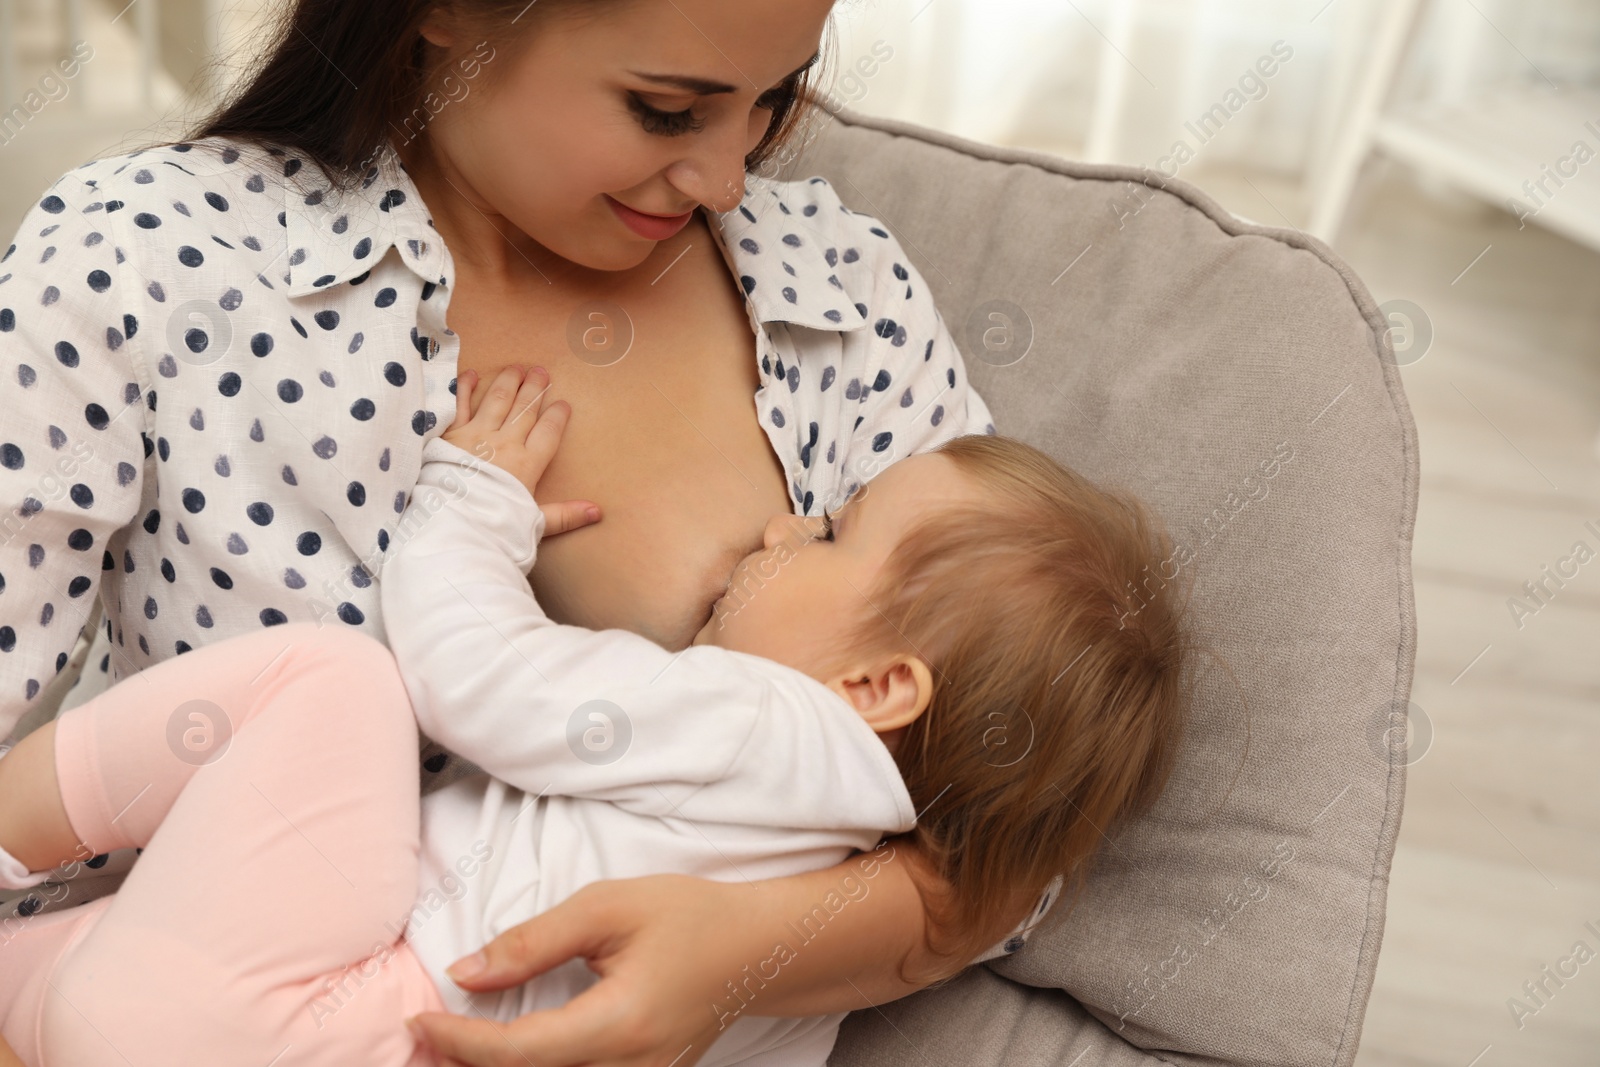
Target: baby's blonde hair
1050,616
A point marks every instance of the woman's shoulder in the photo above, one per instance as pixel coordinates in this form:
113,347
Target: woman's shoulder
176,218
210,165
158,201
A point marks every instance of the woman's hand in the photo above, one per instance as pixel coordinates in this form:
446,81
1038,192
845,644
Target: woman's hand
663,946
680,958
514,427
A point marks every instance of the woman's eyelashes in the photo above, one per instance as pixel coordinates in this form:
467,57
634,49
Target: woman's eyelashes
677,123
665,123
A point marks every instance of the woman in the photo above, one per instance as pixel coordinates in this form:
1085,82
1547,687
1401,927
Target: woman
222,359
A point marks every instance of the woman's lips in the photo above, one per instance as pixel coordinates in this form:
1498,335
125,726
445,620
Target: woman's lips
650,227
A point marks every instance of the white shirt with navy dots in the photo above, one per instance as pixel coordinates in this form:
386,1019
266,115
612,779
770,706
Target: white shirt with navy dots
218,377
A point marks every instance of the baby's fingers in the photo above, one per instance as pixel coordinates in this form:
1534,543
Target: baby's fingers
525,409
501,396
569,515
545,437
465,382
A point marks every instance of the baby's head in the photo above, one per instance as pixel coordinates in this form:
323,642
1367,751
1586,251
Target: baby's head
1011,630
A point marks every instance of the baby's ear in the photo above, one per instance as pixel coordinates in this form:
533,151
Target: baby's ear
890,694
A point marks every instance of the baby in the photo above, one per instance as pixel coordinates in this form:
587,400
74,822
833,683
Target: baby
960,652
978,650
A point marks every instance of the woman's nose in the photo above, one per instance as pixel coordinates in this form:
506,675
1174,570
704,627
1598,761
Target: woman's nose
714,173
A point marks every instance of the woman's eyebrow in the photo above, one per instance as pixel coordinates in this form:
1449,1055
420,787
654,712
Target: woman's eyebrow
706,87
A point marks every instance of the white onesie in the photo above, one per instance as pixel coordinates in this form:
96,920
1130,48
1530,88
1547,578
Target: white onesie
607,757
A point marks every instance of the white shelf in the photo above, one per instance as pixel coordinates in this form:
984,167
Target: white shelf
1491,145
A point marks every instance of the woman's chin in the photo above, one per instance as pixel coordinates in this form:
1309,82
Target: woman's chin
613,249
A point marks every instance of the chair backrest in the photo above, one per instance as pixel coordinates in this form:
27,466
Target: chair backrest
1240,379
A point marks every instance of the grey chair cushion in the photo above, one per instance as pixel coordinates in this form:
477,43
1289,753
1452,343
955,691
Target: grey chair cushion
1240,379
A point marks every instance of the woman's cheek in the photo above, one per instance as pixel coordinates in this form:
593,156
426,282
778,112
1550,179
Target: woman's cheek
564,155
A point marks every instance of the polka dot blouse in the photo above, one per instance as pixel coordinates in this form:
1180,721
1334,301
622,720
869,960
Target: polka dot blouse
218,376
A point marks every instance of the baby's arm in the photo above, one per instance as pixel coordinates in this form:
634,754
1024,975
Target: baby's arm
703,734
542,706
490,675
462,621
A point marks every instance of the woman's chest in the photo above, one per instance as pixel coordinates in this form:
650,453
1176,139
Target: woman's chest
282,441
663,436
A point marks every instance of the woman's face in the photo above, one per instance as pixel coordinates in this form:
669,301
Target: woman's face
571,122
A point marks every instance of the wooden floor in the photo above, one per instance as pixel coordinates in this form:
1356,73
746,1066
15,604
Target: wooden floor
1498,866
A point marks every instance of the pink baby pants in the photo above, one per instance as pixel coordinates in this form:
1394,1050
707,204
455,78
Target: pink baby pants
271,780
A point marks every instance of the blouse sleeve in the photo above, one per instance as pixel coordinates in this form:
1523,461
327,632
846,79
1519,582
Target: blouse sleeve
550,709
914,394
71,448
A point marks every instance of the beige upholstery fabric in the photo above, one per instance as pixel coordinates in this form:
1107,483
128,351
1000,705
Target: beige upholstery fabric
1239,379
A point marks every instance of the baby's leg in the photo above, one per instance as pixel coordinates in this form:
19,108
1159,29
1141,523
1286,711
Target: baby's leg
33,823
271,780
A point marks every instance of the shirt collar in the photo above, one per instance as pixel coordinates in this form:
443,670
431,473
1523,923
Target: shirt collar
333,238
784,260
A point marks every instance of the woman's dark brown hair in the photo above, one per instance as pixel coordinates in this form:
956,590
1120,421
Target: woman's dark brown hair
341,76
1052,619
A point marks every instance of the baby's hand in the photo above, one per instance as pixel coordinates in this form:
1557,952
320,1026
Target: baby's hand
514,428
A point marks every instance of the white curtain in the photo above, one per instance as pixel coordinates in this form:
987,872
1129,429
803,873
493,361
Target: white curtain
1036,73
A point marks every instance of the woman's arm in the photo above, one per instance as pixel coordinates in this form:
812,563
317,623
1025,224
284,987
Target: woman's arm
72,451
869,951
680,958
9,1058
